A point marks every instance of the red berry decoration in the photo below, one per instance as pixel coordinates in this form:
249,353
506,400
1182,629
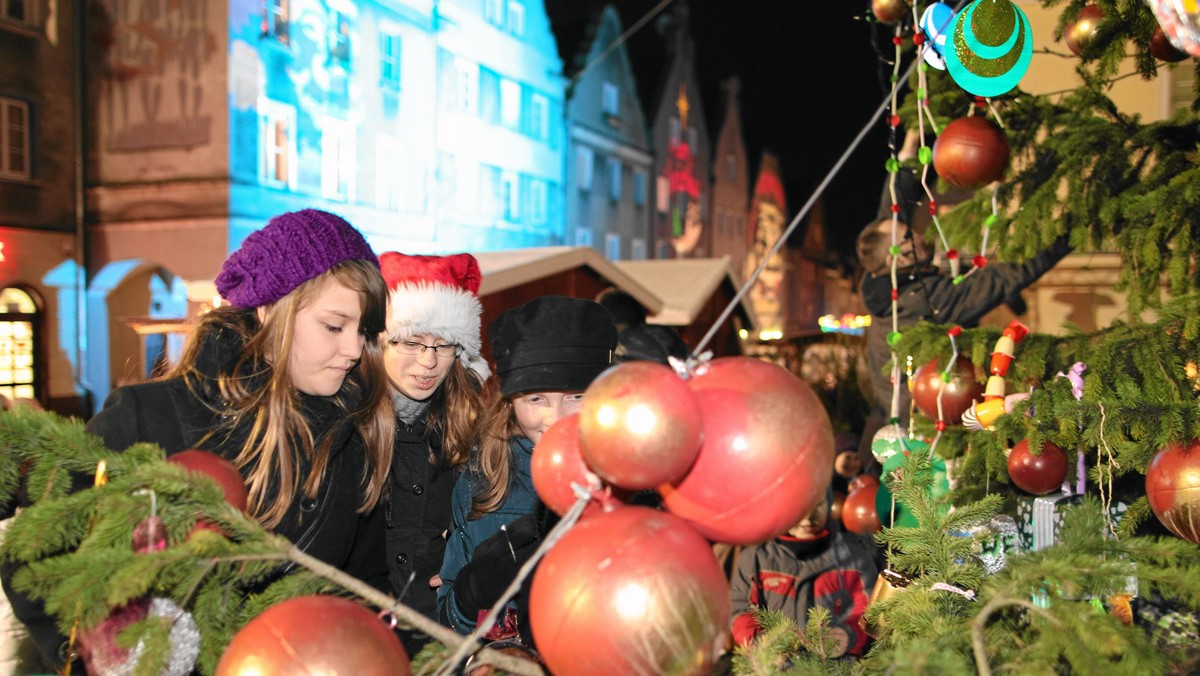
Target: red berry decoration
557,463
639,426
960,391
1080,33
1173,489
858,511
219,470
890,11
767,453
1162,49
315,635
970,152
631,591
1037,474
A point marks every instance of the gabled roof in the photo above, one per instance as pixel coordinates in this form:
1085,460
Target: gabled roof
685,286
514,267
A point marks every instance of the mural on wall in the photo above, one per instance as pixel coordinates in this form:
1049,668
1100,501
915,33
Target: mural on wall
683,197
156,53
768,208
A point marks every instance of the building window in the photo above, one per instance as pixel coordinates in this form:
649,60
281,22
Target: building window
275,20
18,317
20,11
510,103
639,187
614,179
389,60
583,236
337,159
494,12
537,201
468,86
339,38
14,138
510,196
539,117
278,144
612,247
389,172
610,99
584,159
637,249
516,18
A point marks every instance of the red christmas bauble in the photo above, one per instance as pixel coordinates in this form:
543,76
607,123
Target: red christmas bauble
862,481
219,470
1162,49
1080,33
314,635
957,394
557,463
1037,474
631,591
835,507
766,457
890,11
858,511
970,152
1173,489
639,426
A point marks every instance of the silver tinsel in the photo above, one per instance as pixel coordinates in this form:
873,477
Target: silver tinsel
185,643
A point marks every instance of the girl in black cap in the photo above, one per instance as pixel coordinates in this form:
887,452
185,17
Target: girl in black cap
546,352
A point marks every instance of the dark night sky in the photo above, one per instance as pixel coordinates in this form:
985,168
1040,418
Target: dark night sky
811,79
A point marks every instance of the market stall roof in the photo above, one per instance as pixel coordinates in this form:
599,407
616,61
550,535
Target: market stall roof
687,286
510,268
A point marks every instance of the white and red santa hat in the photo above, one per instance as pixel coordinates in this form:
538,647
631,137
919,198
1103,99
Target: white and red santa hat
436,295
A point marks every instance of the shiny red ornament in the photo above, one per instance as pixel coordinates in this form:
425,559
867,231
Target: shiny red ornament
631,591
1037,474
960,391
890,11
1162,49
639,426
1080,33
767,453
862,481
219,470
314,635
858,511
835,507
557,463
970,152
1173,489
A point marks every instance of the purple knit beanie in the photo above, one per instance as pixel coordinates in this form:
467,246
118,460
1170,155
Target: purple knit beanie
290,250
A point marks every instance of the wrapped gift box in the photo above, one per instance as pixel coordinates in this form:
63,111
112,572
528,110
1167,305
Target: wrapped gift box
1039,518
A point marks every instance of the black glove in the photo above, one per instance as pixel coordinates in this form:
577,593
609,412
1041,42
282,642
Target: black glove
494,565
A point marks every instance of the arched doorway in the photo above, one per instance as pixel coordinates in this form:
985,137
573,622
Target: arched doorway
20,344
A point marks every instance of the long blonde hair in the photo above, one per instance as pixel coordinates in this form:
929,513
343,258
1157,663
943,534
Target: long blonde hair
493,464
263,397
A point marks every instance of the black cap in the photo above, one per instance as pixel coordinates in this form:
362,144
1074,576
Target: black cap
552,344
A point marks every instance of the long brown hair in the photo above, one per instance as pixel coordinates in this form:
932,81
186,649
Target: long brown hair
263,396
497,429
456,412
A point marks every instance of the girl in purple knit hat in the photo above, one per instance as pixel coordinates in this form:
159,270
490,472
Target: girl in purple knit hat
287,382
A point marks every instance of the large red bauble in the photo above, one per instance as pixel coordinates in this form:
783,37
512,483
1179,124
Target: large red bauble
1080,33
858,511
219,470
631,591
1162,49
1173,489
1037,474
314,635
970,152
835,507
890,11
557,463
639,426
862,481
767,454
958,393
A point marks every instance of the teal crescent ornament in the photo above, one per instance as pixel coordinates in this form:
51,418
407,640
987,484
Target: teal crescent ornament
979,66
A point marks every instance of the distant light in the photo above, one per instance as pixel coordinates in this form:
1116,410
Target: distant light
743,334
770,334
851,324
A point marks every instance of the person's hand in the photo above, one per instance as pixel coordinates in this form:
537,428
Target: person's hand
494,565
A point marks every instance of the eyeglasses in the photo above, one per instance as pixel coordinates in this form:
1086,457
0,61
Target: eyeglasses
413,347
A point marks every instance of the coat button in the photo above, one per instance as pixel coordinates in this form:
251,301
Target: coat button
308,504
402,559
418,489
